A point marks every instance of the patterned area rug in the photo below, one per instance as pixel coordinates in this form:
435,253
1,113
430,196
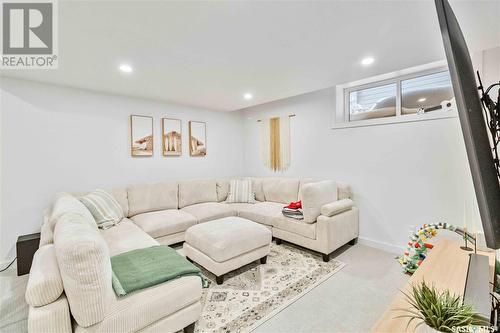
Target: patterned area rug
254,293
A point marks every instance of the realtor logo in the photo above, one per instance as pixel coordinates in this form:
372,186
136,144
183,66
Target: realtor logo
29,35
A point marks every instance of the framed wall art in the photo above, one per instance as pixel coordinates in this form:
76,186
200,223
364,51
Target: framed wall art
171,130
197,138
141,136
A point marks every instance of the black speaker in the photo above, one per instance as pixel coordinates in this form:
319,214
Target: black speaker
26,247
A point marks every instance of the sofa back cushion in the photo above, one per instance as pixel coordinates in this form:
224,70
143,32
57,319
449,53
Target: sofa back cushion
64,203
152,197
304,181
85,266
282,190
120,195
314,196
257,189
344,191
197,191
222,190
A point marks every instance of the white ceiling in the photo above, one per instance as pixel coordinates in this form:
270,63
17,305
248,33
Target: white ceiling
209,54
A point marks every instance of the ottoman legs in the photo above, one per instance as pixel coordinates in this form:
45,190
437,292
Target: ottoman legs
219,279
263,260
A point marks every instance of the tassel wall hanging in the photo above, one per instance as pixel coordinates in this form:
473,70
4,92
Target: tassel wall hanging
275,143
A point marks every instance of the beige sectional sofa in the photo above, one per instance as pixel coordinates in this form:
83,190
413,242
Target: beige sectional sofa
77,253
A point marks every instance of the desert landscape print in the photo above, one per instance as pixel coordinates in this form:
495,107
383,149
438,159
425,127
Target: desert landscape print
171,137
197,138
141,133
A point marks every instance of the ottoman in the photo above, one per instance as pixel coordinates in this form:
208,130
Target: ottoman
223,245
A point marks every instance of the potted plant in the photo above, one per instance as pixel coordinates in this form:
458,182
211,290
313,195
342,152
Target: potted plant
439,311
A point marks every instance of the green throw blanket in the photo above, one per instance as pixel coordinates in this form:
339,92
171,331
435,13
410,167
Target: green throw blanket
143,268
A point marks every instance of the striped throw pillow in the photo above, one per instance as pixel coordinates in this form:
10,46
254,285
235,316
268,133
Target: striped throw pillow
106,211
240,190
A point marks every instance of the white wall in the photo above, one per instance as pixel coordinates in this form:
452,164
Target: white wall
60,139
491,69
402,175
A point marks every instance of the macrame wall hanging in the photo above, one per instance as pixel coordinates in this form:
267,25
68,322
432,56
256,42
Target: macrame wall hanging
275,142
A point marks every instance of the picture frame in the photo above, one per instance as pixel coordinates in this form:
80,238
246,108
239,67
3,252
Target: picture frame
171,134
197,138
141,136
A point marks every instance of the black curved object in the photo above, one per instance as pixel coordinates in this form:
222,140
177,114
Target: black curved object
479,150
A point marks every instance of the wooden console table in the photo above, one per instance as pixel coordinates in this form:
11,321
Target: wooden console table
446,268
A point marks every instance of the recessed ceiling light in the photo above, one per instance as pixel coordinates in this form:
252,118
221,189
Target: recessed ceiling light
367,61
126,68
423,99
248,96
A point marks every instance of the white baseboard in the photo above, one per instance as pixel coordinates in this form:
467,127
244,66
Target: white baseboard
381,245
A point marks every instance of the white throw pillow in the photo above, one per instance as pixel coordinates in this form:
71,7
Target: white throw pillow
104,208
240,190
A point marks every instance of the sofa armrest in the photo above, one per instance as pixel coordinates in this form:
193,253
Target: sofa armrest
336,207
45,283
53,317
337,230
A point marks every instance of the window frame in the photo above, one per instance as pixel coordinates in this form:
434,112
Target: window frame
342,113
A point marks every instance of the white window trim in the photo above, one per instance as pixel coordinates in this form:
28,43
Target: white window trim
341,116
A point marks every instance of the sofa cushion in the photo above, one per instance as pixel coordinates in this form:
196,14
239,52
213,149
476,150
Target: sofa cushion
257,189
210,211
121,196
126,236
139,310
66,203
343,191
336,207
302,182
314,196
46,233
53,317
240,190
296,226
152,197
103,207
238,206
283,190
164,222
197,191
222,190
227,238
84,263
44,284
262,212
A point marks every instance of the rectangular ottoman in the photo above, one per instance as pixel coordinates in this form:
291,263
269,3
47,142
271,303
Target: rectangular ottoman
223,245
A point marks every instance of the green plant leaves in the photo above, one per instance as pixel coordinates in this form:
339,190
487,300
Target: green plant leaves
441,311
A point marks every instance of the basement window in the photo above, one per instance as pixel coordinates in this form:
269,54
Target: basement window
421,93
